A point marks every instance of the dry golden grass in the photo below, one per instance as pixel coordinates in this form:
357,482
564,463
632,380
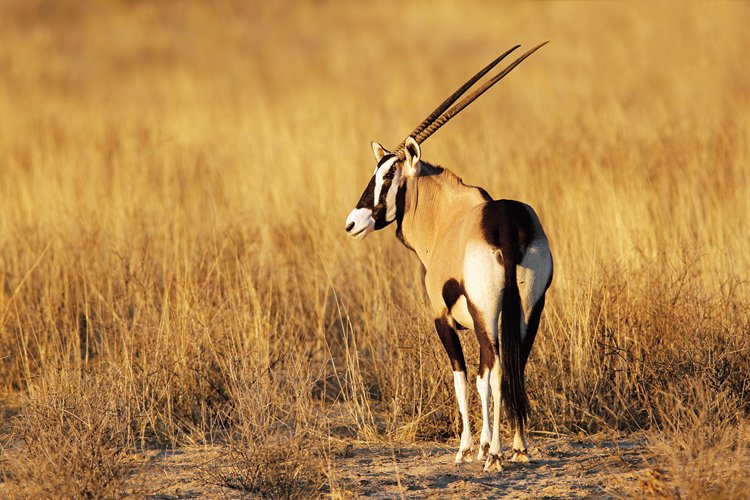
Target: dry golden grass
174,179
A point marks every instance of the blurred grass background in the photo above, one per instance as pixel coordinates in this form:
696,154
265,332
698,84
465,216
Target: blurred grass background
174,179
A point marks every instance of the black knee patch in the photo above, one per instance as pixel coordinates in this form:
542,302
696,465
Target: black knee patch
451,343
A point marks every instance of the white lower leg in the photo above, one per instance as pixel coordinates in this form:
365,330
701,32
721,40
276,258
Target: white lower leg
483,387
496,400
462,396
494,460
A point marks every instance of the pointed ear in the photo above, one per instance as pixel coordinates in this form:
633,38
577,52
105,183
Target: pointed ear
378,150
412,154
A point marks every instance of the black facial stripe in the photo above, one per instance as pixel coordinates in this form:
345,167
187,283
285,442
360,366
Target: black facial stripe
400,207
385,159
379,216
388,182
391,171
367,200
385,187
380,211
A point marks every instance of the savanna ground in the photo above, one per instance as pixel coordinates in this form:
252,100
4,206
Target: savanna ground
181,313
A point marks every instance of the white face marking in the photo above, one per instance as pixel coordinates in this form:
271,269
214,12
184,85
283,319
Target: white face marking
390,198
379,173
363,223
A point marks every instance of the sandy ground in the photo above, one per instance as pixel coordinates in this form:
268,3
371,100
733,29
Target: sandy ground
562,467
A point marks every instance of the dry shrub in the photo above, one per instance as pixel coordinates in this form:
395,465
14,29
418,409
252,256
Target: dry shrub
276,443
70,441
703,445
271,466
602,364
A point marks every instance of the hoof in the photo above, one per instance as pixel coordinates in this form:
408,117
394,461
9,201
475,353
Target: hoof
494,463
483,449
464,456
521,456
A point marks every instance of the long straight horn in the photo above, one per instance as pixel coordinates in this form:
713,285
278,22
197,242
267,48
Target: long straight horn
442,120
453,98
431,123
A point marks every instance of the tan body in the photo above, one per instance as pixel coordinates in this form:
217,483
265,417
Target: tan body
442,224
440,220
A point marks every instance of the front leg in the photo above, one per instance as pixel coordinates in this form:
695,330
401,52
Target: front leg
452,345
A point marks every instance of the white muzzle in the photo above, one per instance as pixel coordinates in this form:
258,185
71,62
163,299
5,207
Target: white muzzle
360,223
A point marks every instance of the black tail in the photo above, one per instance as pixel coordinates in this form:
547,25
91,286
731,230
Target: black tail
512,386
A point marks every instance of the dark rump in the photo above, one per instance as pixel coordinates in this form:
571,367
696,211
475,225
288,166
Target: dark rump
499,217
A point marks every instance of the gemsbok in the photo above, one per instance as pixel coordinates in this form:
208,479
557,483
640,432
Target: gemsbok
486,262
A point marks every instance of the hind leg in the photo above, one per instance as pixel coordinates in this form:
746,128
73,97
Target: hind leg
483,388
520,450
532,287
483,285
488,382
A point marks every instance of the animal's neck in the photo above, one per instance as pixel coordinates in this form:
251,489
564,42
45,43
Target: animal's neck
431,204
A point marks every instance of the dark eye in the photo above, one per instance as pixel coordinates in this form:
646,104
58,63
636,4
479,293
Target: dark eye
388,175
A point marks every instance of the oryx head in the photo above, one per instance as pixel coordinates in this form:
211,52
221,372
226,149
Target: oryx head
377,207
